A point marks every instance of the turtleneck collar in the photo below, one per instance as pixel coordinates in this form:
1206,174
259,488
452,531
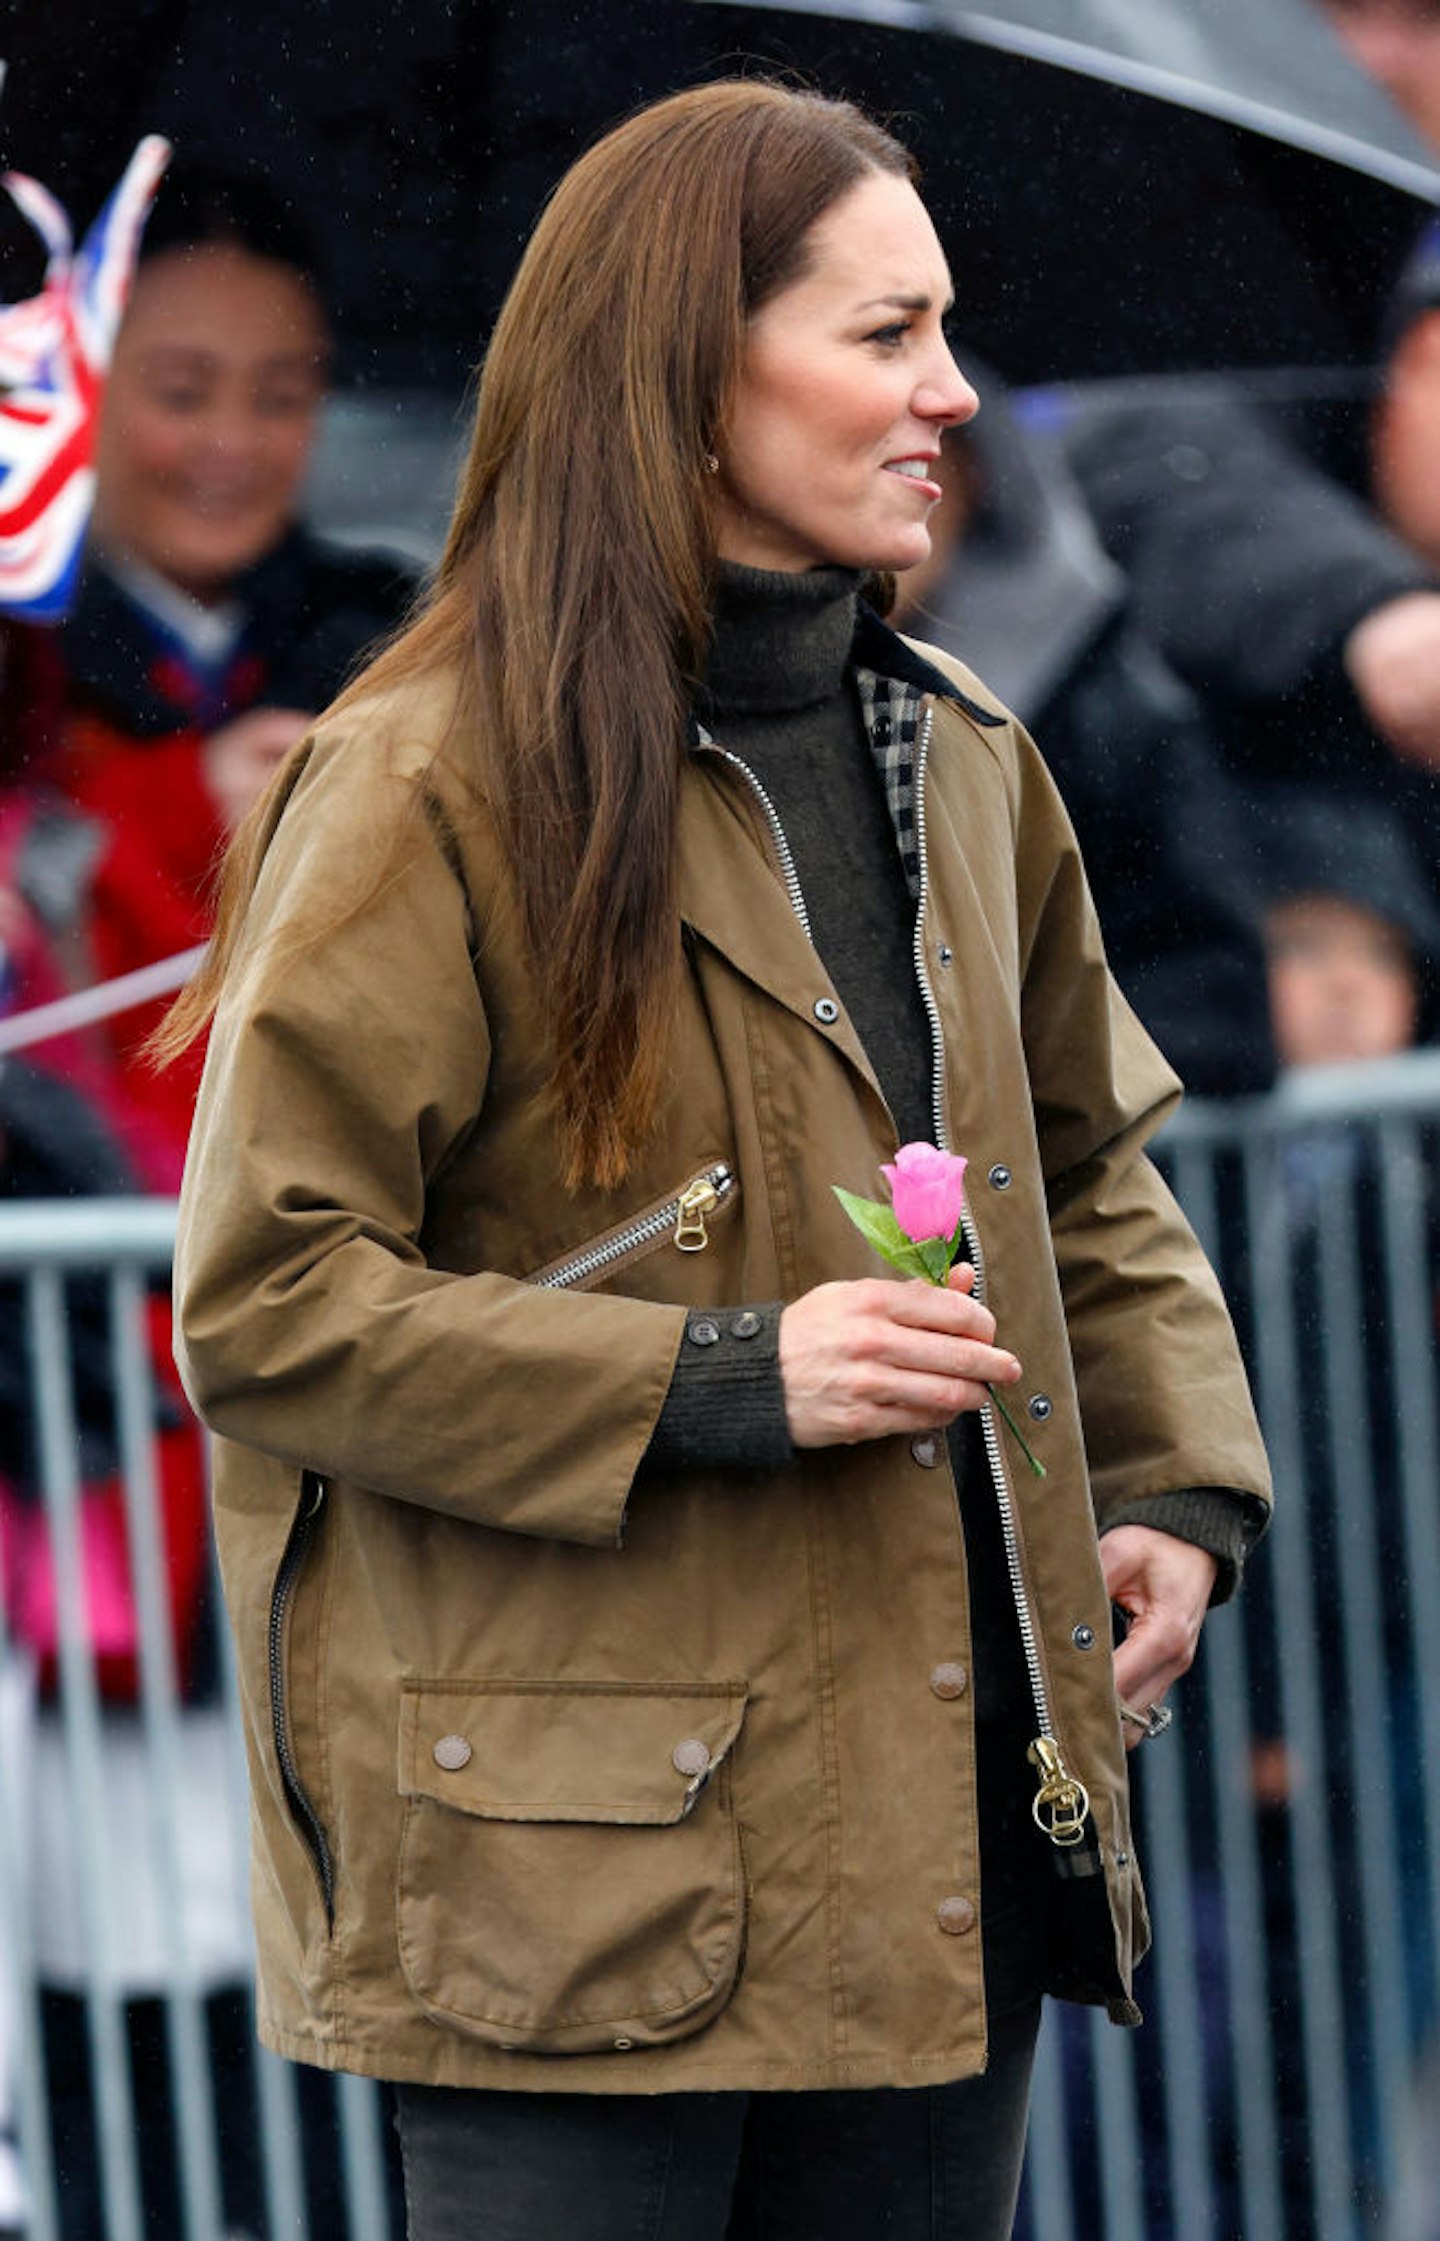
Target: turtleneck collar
781,641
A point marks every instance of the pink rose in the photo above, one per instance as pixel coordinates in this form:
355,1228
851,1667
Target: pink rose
927,1191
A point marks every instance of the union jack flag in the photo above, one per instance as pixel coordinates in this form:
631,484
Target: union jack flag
54,351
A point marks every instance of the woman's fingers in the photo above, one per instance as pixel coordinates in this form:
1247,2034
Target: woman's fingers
1165,1585
863,1360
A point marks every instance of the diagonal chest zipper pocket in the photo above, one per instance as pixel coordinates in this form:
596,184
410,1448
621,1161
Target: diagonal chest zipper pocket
682,1221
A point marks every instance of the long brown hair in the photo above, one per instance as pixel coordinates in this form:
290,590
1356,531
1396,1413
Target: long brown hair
574,589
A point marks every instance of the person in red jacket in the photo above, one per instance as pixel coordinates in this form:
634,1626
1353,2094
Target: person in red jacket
210,624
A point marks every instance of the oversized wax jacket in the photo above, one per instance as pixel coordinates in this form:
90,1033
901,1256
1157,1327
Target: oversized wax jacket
556,1754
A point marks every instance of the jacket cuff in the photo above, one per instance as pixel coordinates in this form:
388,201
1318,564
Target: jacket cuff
1219,1519
726,1403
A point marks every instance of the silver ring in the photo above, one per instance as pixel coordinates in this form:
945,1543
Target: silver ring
1152,1721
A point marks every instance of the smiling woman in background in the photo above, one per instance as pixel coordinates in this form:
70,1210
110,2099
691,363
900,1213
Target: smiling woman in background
673,1728
210,624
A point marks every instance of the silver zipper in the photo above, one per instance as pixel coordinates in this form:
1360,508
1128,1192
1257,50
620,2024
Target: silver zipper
777,832
683,1216
1061,1802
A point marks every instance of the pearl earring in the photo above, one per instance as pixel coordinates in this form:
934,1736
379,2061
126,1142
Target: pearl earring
712,464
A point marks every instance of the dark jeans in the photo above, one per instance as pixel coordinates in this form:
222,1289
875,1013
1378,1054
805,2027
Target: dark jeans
939,2163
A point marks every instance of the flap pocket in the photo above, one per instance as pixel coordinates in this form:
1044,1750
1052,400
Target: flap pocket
570,1874
546,1751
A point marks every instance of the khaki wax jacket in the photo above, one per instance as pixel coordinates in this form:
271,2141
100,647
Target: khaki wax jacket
573,1774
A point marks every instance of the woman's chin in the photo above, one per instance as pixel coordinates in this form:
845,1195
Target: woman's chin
898,546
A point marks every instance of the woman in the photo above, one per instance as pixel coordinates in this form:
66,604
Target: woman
615,1696
210,625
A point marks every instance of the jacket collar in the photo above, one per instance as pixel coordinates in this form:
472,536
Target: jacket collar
879,648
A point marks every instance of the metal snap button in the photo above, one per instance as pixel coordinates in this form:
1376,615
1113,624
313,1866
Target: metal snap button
955,1916
1040,1406
1000,1177
451,1753
925,1447
747,1325
944,955
622,2046
704,1331
691,1757
949,1681
827,1011
1083,1636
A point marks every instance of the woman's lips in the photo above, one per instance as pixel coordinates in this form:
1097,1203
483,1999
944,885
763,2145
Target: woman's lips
917,469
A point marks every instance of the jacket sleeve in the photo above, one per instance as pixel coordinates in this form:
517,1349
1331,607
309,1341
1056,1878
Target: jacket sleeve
1248,563
349,1058
1164,1399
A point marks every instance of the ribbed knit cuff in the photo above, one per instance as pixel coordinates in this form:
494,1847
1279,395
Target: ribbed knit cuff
1219,1519
726,1403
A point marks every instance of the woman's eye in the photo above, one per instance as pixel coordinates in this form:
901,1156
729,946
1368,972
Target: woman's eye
889,338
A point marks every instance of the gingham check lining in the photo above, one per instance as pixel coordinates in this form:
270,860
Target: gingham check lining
891,711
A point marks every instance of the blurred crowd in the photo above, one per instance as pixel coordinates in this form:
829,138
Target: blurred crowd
1220,618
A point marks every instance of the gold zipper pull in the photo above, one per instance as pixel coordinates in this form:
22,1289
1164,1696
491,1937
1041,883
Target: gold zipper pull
696,1201
1061,1803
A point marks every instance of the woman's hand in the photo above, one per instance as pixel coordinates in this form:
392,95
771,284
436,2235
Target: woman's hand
1164,1585
863,1359
240,759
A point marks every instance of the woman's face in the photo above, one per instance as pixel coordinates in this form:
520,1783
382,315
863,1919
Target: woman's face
209,412
829,445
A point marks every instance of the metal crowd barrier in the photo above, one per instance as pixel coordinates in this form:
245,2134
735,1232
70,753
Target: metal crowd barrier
1284,2085
290,2125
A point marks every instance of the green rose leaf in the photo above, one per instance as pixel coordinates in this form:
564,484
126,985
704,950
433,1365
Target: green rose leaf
879,1228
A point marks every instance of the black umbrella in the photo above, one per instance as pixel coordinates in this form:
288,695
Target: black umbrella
1272,65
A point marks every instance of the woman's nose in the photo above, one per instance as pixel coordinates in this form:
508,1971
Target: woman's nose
947,396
